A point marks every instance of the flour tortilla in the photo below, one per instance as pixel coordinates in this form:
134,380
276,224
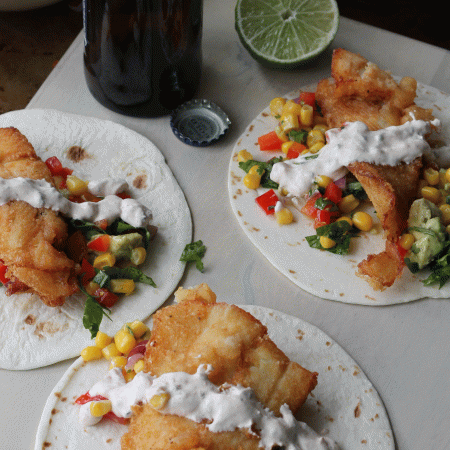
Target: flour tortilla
318,272
35,335
344,405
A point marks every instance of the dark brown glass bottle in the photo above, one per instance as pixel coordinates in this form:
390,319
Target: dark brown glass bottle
142,57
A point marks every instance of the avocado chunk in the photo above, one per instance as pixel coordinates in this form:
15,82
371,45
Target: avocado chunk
425,224
122,245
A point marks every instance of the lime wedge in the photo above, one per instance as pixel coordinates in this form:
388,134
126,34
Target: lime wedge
286,33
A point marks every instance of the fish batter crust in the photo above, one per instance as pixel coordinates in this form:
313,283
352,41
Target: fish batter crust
240,351
31,239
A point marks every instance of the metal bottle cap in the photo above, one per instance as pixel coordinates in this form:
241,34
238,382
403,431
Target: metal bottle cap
199,122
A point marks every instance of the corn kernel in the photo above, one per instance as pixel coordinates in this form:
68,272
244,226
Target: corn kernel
348,203
110,351
431,176
75,185
252,181
138,328
406,241
291,107
289,122
103,260
321,126
102,340
445,210
124,340
244,156
158,401
347,219
323,180
128,376
314,136
139,366
281,134
138,255
256,170
100,408
362,221
276,106
118,361
284,216
447,175
316,147
306,115
122,286
326,242
285,146
91,353
442,178
91,287
431,193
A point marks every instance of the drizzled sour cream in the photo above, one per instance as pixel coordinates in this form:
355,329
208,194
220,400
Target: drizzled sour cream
196,398
354,142
41,194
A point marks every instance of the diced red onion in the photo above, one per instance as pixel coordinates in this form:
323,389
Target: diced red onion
341,182
138,348
132,360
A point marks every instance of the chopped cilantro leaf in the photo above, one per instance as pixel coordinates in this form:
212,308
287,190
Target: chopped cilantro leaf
340,232
264,169
93,315
194,252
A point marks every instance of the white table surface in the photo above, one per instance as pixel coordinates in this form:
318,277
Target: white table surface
403,349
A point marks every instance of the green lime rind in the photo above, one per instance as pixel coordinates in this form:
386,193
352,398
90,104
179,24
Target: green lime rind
283,33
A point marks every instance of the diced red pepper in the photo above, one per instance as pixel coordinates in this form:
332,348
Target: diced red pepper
309,208
267,201
333,192
307,98
269,142
87,271
100,243
295,150
3,269
105,297
325,217
114,418
56,168
85,398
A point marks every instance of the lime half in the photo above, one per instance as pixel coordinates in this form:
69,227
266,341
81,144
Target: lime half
286,33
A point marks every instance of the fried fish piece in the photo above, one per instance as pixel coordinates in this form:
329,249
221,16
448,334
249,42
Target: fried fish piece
31,239
360,91
236,344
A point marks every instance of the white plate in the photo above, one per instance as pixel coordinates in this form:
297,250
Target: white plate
322,273
344,404
34,335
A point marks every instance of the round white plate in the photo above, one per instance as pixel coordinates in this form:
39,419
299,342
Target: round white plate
34,335
318,272
344,405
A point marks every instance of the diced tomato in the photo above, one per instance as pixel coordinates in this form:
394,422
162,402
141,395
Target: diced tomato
267,201
3,269
295,150
325,217
114,418
308,208
102,224
56,168
333,192
401,251
307,98
87,271
100,244
269,142
85,398
105,297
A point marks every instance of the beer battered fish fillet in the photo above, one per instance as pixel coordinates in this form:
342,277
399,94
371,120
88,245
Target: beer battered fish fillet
237,346
360,91
31,240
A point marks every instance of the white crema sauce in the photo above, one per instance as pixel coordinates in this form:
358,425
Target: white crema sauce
41,194
354,142
196,398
